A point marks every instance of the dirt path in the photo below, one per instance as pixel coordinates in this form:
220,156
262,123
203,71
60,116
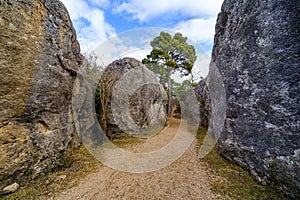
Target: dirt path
186,178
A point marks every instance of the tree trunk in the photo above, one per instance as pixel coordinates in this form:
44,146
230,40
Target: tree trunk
169,93
104,124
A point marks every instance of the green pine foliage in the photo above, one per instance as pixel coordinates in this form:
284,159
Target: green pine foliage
170,54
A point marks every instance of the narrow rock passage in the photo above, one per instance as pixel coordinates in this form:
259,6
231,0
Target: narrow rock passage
186,178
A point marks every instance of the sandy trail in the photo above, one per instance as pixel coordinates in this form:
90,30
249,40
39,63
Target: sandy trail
186,178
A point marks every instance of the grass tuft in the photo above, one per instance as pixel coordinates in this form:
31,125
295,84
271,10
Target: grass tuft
128,141
231,180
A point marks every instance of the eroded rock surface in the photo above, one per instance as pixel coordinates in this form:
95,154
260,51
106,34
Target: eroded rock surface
257,52
39,57
136,99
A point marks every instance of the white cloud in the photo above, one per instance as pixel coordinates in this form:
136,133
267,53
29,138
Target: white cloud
99,3
198,30
138,54
97,30
111,50
144,10
202,64
94,30
134,43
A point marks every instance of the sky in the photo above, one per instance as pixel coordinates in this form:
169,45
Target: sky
118,28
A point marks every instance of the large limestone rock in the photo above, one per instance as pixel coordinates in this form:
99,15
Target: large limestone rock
39,57
136,100
257,52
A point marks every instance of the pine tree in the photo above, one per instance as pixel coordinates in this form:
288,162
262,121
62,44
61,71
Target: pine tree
172,54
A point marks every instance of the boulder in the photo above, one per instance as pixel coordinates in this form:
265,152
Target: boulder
257,52
39,57
135,100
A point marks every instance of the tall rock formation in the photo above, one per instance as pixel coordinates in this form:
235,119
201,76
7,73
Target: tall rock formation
39,57
257,52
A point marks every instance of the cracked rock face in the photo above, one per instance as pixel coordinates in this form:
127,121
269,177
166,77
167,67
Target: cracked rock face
39,57
257,51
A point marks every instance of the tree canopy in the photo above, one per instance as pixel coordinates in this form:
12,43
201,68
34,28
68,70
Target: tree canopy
170,54
173,52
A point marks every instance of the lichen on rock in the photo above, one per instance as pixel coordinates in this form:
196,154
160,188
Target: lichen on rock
256,51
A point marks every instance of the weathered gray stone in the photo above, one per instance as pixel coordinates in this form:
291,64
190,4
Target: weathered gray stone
257,52
39,56
136,99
